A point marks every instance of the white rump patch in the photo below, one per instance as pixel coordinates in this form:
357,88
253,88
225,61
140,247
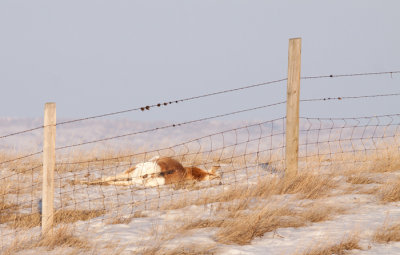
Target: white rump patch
146,174
143,169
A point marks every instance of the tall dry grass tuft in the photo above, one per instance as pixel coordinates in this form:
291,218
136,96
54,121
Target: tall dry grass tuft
7,207
242,227
386,160
318,212
193,249
359,179
342,248
30,220
202,223
386,233
61,237
390,191
16,220
307,185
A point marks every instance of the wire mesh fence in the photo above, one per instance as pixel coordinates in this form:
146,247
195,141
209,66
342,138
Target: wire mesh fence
90,191
114,187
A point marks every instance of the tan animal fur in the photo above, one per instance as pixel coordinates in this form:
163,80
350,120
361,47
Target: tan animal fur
159,171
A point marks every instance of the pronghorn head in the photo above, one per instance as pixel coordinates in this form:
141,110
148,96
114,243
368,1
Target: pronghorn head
212,173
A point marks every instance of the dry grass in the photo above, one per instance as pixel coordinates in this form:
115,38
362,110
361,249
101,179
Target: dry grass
61,237
22,166
318,212
201,223
243,226
390,191
387,233
7,207
359,179
388,161
315,212
342,248
93,157
193,249
25,221
31,220
382,157
305,186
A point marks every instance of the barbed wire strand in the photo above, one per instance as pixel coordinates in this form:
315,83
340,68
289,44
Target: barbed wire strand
348,97
228,114
150,130
22,157
172,125
348,75
22,132
148,107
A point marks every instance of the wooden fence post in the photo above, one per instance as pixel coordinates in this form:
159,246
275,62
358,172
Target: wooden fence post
292,107
49,161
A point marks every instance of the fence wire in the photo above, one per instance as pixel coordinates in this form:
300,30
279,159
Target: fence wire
202,120
176,101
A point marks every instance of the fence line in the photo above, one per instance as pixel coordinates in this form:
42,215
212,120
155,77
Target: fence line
179,144
227,114
22,157
246,154
173,125
148,107
204,119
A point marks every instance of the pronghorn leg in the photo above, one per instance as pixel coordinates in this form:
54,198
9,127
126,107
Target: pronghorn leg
111,179
121,176
130,170
119,179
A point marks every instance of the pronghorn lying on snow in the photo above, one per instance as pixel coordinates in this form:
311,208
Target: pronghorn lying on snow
159,171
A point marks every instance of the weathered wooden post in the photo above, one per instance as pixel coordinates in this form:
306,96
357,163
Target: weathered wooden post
49,161
292,107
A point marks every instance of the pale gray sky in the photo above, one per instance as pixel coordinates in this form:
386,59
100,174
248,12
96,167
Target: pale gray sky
93,57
